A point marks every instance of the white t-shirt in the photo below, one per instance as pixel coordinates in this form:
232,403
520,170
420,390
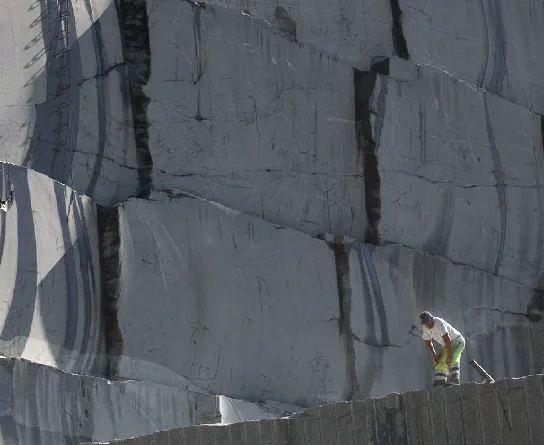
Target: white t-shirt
440,328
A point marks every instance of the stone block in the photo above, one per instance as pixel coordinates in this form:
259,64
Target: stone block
221,434
223,279
518,410
277,120
344,423
354,32
297,434
266,432
504,412
281,432
252,433
312,425
191,435
51,305
453,407
484,44
412,429
206,435
535,406
489,423
437,415
472,422
443,148
175,437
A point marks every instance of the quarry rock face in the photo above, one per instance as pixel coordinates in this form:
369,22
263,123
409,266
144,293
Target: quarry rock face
65,107
355,304
259,124
461,173
491,45
505,412
235,210
51,308
210,268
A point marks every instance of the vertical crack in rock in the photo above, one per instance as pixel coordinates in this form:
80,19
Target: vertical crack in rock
110,243
198,57
542,130
535,307
341,260
99,50
138,56
500,186
399,41
364,82
499,54
485,58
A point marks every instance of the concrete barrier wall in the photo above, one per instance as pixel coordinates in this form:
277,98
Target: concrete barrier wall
50,298
64,108
502,413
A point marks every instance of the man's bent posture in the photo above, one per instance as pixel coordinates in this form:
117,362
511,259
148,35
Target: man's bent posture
453,344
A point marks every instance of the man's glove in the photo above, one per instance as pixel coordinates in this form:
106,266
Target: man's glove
435,359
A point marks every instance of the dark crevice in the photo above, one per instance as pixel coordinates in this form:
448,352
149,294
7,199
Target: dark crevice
535,307
138,56
380,65
110,241
364,82
341,257
542,130
399,41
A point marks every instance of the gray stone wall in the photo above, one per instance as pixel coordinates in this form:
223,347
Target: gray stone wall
503,413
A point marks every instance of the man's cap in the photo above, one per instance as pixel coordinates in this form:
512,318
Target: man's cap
426,317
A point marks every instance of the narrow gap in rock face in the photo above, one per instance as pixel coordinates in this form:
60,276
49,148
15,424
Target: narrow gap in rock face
399,41
138,56
364,82
542,130
535,306
110,241
341,260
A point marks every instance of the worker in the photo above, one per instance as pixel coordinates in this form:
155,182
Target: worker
447,364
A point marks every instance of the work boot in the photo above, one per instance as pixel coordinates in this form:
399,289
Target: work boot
454,379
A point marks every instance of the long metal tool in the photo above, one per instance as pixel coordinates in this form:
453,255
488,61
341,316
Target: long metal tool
481,371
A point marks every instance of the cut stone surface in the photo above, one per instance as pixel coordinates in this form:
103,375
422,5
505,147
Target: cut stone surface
399,418
50,305
392,285
253,306
240,295
64,108
494,45
245,117
354,32
43,405
461,173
